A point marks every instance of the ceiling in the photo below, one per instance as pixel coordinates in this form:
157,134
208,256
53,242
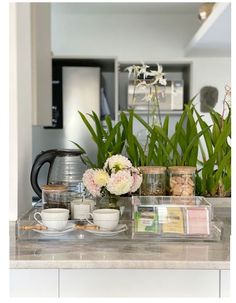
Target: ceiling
127,8
214,36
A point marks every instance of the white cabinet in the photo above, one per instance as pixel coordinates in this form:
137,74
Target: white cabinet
225,283
34,282
119,283
41,64
138,283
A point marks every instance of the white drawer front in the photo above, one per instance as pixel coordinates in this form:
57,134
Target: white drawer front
138,283
225,283
33,282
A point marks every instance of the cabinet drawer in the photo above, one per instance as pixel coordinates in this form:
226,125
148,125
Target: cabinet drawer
33,282
138,283
225,283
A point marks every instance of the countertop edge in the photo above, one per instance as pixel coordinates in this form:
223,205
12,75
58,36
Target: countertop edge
118,264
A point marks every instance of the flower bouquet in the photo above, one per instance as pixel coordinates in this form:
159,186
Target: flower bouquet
118,177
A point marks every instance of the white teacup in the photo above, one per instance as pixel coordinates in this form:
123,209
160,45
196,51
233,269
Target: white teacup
106,218
53,218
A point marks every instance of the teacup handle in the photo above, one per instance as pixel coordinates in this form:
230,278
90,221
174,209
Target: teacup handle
88,219
36,219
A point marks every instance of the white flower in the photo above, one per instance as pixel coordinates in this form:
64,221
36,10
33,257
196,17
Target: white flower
118,176
143,71
116,163
137,180
90,184
158,75
148,97
120,183
133,69
163,81
142,84
100,177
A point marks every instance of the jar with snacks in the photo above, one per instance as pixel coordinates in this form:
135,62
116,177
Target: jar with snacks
182,180
154,181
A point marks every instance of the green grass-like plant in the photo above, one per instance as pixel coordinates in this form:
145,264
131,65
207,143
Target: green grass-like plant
183,148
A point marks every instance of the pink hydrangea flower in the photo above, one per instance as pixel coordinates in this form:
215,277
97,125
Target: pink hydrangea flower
137,180
89,183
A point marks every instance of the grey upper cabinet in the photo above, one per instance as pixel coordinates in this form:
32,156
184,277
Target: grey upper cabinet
41,64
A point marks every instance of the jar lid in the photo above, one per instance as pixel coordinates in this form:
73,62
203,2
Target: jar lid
54,187
182,169
152,169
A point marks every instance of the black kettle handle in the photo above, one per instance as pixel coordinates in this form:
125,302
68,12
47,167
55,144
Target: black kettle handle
44,157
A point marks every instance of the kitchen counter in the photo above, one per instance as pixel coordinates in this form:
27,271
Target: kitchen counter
82,250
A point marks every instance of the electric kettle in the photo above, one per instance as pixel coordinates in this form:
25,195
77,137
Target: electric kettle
66,166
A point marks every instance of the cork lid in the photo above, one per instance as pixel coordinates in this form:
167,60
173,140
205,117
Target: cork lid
182,169
152,169
55,187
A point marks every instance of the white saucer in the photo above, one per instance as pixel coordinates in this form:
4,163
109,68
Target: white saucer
107,233
69,227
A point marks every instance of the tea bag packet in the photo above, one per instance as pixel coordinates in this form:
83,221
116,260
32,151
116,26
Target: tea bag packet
172,220
197,221
146,219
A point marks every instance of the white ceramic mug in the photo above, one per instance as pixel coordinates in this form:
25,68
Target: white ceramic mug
53,218
106,218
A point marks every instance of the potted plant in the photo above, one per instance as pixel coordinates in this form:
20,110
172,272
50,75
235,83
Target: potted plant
214,177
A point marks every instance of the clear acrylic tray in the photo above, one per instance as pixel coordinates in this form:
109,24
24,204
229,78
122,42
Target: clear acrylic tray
159,220
175,218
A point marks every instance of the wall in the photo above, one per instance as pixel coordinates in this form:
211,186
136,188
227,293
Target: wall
150,37
147,37
136,37
213,72
20,109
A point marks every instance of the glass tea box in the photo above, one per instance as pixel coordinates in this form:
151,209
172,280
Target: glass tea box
174,217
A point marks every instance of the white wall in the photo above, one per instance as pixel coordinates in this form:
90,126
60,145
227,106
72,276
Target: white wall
147,37
20,109
136,37
213,72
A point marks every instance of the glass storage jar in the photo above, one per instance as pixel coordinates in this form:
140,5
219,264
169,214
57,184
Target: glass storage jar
154,181
58,196
182,180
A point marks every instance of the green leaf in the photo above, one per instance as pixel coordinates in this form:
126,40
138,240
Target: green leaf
191,144
90,128
110,138
207,135
151,147
79,147
108,122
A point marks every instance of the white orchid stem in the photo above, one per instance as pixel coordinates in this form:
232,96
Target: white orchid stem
157,105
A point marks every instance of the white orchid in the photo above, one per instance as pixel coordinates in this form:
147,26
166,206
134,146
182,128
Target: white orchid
144,77
148,97
143,71
133,69
159,76
142,84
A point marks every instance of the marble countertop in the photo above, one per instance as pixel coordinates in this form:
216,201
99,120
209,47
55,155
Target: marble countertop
83,250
